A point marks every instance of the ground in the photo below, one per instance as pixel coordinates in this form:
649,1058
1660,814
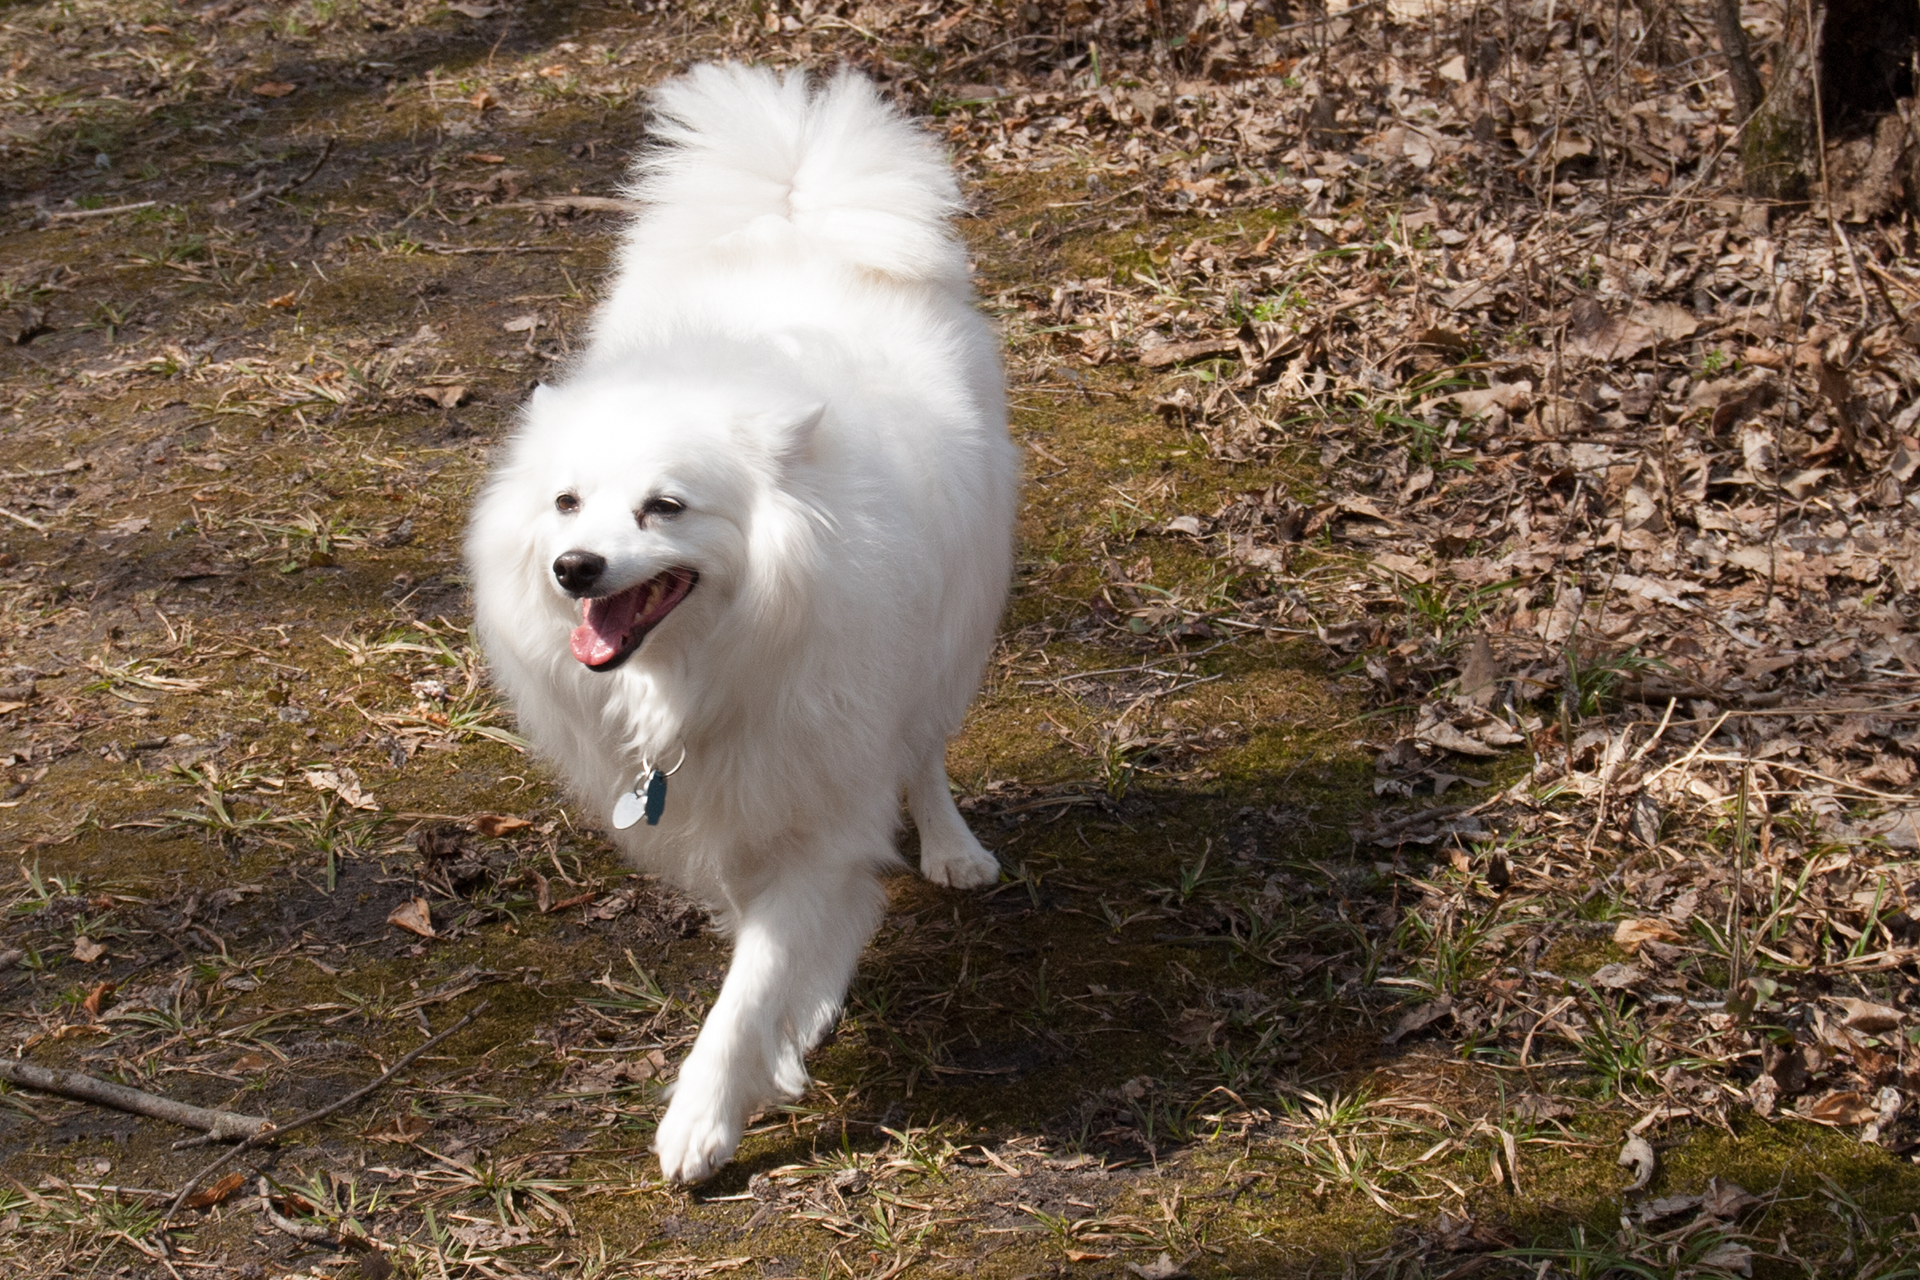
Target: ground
1371,461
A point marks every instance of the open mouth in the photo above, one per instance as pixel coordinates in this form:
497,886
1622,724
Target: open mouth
612,627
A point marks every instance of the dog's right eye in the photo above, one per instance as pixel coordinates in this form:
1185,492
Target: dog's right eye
566,504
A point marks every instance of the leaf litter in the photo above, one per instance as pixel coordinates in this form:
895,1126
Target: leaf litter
1449,365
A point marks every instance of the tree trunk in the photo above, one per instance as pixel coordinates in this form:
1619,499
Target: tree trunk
1840,66
1733,45
1779,153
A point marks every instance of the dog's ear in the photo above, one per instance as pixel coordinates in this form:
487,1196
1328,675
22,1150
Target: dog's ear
789,432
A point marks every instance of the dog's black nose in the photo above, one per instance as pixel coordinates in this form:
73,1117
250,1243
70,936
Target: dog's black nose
579,570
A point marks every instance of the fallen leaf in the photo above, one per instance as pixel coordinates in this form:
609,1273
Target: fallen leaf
343,783
1405,566
451,397
401,1129
1631,933
1637,1154
284,300
1726,1200
413,916
1163,354
86,950
475,11
1839,1107
1616,977
96,997
486,157
1729,1255
1865,1015
219,1193
1667,1206
1161,1268
1514,397
128,526
523,324
1419,1018
275,88
1535,1106
499,824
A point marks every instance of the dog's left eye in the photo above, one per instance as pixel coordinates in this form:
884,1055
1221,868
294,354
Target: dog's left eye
662,506
567,503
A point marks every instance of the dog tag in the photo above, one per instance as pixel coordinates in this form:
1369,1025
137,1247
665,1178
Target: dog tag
648,800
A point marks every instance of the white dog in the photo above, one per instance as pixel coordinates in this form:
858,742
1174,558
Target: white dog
759,542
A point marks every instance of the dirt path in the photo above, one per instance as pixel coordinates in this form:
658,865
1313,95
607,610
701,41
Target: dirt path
276,279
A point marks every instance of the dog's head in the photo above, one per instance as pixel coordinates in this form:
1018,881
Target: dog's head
647,503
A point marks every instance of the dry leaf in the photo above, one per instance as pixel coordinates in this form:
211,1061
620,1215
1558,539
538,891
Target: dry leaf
1631,933
1637,1154
275,88
1616,977
1161,1268
499,824
1839,1107
86,950
284,300
413,916
343,783
1169,353
218,1193
523,324
486,157
401,1129
449,397
1418,1019
1866,1016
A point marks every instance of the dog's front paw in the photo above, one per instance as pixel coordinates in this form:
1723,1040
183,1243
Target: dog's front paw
959,863
695,1138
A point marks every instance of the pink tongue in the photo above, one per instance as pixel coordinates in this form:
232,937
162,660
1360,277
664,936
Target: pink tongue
604,626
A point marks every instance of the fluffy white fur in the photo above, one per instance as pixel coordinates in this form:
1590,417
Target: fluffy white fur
791,351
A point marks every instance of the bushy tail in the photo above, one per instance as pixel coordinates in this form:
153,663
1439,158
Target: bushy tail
847,171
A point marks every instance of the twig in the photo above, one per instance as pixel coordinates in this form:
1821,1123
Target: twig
285,188
312,1117
219,1126
15,515
432,246
74,215
311,1232
588,204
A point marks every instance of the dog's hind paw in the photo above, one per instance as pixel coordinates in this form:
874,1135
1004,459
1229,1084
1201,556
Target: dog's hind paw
959,864
693,1141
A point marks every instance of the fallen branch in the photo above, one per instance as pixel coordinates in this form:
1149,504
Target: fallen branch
312,1117
74,215
433,246
311,1232
219,1126
272,192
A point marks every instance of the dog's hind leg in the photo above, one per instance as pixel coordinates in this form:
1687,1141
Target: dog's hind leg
795,945
949,854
